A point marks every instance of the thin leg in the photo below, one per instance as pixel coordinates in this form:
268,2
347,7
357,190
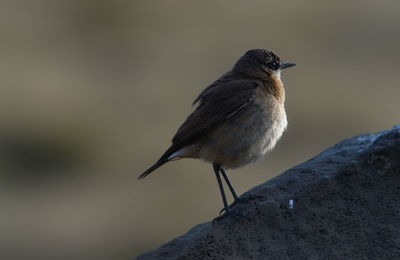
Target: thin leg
217,169
229,184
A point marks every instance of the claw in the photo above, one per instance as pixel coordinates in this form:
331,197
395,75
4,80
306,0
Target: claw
234,214
222,211
219,218
222,214
245,199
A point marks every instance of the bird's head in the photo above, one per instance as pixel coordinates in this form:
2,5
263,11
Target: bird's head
261,63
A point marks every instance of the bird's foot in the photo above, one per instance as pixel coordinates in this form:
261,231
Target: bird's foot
241,200
235,214
223,212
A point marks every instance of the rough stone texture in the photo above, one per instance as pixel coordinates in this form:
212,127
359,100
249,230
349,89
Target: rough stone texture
346,205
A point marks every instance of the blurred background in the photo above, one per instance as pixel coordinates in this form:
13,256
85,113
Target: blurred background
91,93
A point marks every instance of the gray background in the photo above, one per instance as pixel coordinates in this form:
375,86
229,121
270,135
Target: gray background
107,83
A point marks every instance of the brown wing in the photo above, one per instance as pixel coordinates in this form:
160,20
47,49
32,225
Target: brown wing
217,103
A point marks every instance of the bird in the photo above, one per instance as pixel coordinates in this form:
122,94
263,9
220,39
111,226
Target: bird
238,119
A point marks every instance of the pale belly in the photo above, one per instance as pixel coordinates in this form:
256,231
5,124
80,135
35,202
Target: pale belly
245,139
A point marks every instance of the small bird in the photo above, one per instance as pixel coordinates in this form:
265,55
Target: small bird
239,118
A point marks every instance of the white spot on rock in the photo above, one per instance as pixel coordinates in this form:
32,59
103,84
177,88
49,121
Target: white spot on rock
291,204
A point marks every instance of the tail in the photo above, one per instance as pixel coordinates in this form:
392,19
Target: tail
163,160
158,164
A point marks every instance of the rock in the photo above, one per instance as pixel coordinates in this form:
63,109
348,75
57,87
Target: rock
342,204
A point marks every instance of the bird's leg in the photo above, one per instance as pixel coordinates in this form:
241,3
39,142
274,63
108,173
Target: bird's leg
217,169
227,210
235,197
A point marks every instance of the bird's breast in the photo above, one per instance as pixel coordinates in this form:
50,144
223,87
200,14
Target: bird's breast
246,138
272,125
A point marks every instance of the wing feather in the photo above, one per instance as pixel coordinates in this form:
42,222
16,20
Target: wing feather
217,104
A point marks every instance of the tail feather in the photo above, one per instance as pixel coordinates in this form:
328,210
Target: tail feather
163,160
158,164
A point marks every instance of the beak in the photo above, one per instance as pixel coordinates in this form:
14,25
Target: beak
286,65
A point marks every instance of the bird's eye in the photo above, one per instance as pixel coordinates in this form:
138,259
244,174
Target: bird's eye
273,65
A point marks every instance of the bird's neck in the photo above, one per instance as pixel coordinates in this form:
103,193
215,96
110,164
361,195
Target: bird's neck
273,85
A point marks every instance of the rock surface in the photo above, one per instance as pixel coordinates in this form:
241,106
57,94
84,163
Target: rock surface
342,204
